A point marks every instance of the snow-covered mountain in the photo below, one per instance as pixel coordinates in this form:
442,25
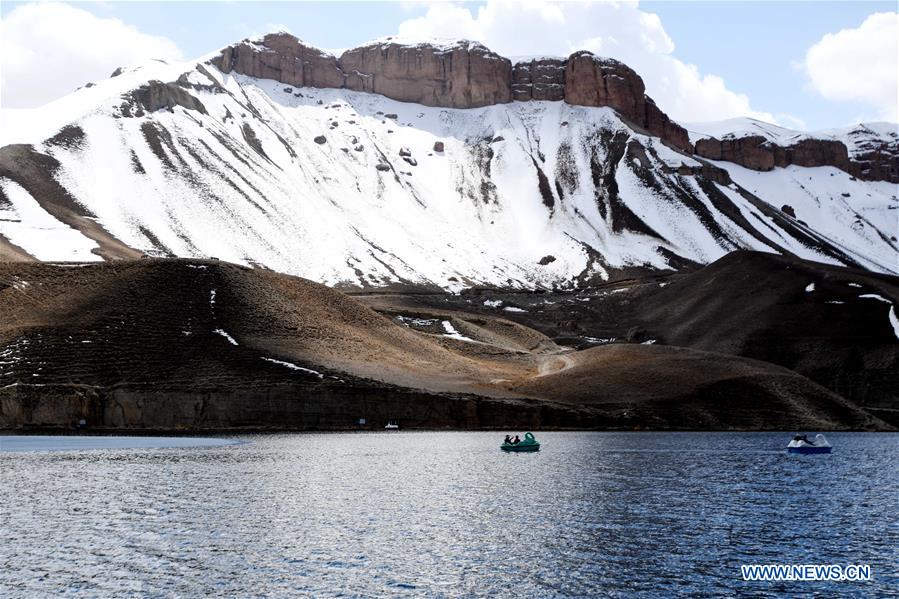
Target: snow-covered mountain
350,187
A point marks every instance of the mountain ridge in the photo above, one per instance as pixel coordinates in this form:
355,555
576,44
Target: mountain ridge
352,188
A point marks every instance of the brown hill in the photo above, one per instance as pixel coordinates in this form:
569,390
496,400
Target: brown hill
831,324
828,323
182,344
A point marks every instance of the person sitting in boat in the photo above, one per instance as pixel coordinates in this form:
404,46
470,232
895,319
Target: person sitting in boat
507,440
802,438
516,440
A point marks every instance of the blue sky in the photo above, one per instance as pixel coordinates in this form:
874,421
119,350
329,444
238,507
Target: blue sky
757,48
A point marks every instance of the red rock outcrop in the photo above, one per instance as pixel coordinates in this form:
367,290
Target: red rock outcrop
461,75
751,151
813,152
468,75
284,58
881,164
757,153
874,154
658,123
594,81
539,79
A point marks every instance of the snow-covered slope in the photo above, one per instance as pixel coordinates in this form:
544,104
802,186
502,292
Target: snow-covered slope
741,127
864,137
345,187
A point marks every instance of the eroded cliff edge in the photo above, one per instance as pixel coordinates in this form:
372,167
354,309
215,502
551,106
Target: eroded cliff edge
466,74
461,74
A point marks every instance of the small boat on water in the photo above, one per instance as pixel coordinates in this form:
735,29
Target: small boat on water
802,444
392,426
529,443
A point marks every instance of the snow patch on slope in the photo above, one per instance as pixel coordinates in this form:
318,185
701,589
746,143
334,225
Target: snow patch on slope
26,224
249,183
224,334
859,217
894,320
293,366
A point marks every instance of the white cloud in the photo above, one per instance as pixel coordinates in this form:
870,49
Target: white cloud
47,50
615,29
859,65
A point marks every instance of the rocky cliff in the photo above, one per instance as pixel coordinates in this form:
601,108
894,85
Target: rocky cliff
461,74
466,74
757,153
873,151
872,160
539,79
356,189
284,58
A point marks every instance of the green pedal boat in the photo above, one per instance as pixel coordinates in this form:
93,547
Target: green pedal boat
528,444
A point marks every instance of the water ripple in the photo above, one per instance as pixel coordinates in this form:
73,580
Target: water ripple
448,515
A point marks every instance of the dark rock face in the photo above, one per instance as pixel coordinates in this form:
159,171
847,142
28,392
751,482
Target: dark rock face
706,170
465,75
469,75
881,164
658,123
156,95
261,405
594,81
284,58
874,158
752,151
757,153
813,152
539,79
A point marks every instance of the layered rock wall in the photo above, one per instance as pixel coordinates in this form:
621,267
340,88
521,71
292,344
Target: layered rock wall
881,164
468,75
594,81
284,58
752,151
759,154
464,75
539,79
459,75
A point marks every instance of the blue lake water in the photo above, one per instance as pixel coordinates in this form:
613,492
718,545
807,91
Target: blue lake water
449,514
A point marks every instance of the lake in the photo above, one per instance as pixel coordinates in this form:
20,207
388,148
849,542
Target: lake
447,514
